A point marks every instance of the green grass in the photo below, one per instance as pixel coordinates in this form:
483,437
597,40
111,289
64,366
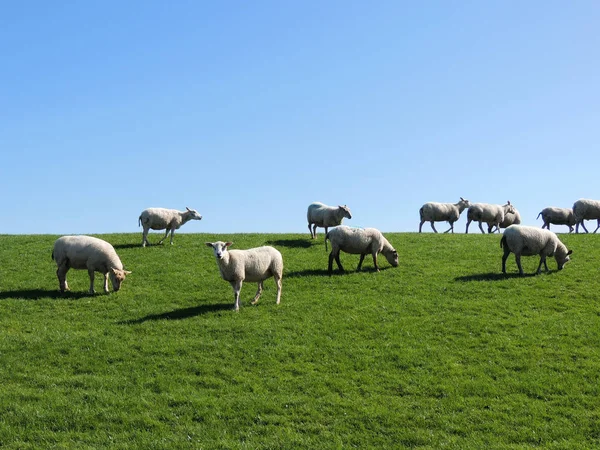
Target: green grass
442,352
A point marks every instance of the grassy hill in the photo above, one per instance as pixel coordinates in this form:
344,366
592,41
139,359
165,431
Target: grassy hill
443,351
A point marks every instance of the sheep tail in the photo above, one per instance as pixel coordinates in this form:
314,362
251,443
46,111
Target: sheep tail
326,237
140,221
53,255
421,213
503,241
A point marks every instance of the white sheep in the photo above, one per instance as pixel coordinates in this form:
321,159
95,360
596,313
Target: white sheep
530,241
254,265
442,212
557,216
321,215
509,219
586,209
490,214
162,218
359,241
93,254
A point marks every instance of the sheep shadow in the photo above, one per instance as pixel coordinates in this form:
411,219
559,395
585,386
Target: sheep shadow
39,294
291,243
122,246
180,314
493,276
306,273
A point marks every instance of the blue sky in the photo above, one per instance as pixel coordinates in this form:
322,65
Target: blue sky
249,111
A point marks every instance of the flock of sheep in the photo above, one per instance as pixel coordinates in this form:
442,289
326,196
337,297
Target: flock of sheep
258,264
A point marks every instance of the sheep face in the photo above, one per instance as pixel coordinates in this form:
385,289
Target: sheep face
219,248
346,210
392,257
508,208
116,278
194,214
464,203
562,260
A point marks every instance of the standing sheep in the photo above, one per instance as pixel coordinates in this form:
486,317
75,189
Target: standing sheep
491,214
162,218
359,241
321,215
509,219
557,216
93,254
442,212
254,265
530,241
585,209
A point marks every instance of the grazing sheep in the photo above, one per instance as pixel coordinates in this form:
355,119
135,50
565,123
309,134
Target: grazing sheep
530,241
557,216
93,254
254,265
162,218
442,212
359,241
585,209
321,215
509,219
491,214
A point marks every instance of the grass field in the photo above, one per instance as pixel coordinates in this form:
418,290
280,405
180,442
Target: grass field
442,352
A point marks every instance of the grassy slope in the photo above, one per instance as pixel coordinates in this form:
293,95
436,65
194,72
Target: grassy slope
442,351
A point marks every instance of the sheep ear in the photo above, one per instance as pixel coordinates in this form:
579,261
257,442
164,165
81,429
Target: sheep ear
127,272
227,244
209,244
570,252
187,208
462,199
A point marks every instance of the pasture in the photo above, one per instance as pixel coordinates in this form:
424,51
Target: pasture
442,352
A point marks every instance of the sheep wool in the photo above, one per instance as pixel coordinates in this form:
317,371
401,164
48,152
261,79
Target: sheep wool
359,241
162,218
529,241
93,254
493,215
321,215
442,212
586,209
254,265
557,216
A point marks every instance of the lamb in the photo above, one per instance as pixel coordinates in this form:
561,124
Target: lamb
557,216
491,214
359,241
585,209
93,254
254,265
162,218
529,241
321,215
509,219
442,212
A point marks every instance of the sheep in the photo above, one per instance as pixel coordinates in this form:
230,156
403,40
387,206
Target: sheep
491,214
321,215
557,216
162,218
93,254
509,219
359,241
529,241
254,265
585,209
440,212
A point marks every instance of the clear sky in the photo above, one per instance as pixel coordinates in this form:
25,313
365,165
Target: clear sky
249,111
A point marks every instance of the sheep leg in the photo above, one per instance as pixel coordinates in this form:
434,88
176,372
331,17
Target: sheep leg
61,273
433,226
145,237
258,292
172,232
451,228
504,258
91,274
362,258
421,225
467,230
310,231
542,261
597,226
583,225
375,261
481,228
164,237
337,260
237,287
278,283
314,233
106,282
518,259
